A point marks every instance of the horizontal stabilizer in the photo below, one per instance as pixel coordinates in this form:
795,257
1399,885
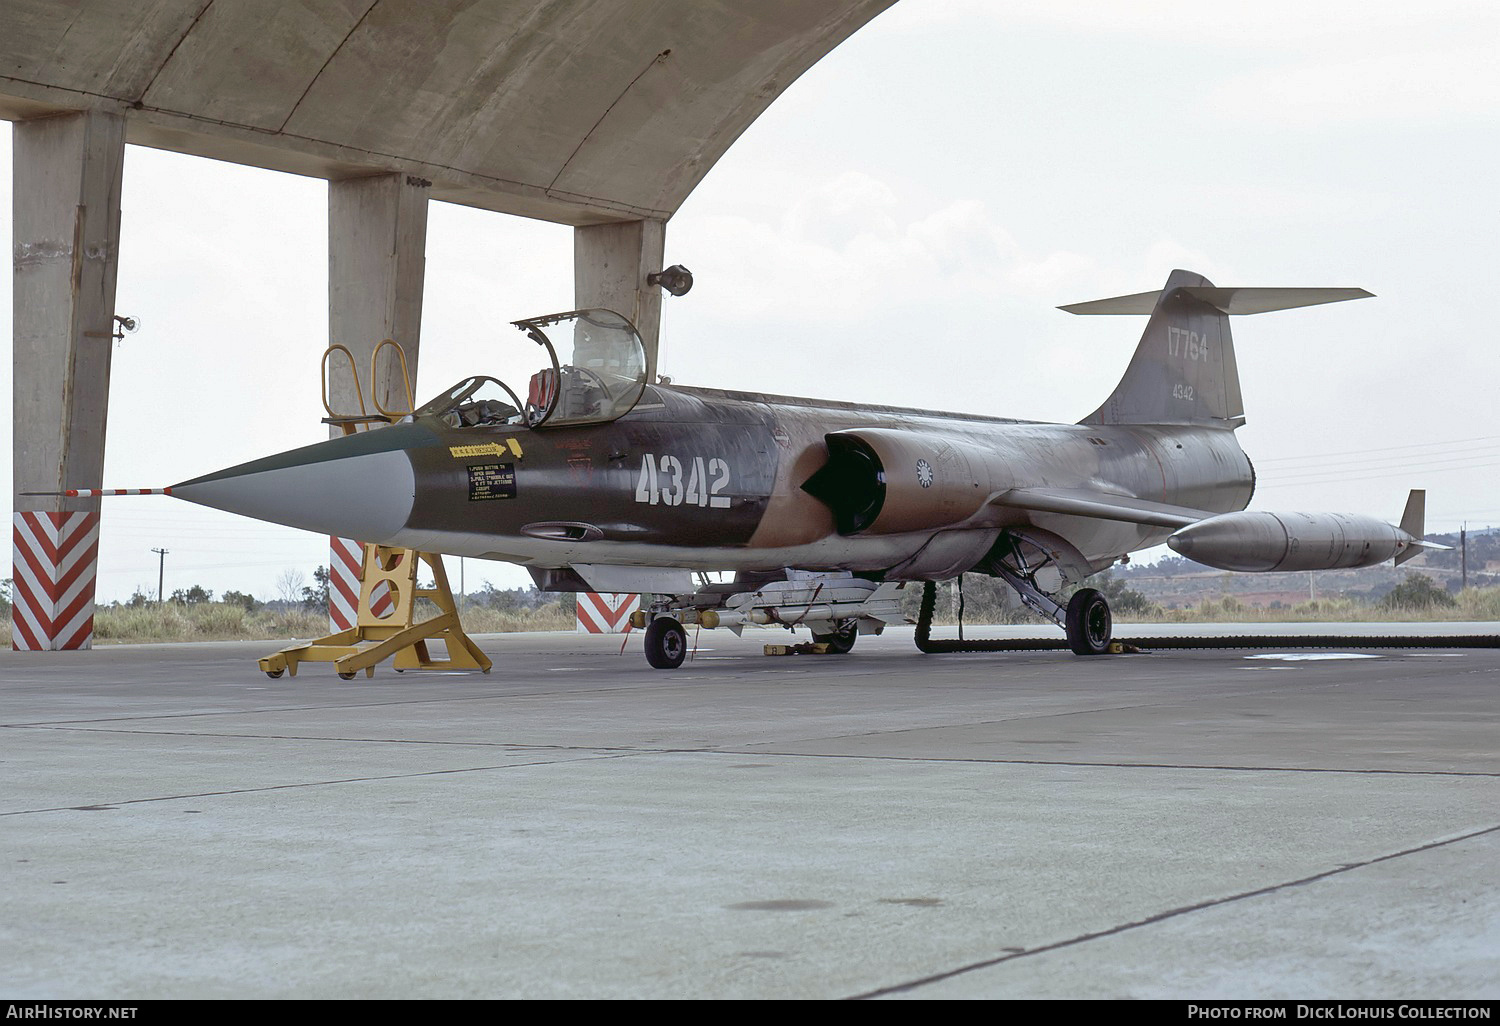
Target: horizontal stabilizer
1099,505
1229,301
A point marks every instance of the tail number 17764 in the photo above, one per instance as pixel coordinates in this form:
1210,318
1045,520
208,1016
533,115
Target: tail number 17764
689,481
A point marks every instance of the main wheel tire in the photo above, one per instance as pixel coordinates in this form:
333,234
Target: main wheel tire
841,641
666,643
1089,623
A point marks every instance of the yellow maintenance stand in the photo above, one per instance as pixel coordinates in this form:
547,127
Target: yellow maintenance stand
376,638
388,583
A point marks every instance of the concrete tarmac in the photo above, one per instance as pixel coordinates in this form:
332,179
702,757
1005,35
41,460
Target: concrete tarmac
1191,824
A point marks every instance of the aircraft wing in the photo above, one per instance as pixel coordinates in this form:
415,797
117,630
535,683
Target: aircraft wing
1100,505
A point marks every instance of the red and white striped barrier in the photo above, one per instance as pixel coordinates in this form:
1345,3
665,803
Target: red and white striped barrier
55,557
605,614
344,559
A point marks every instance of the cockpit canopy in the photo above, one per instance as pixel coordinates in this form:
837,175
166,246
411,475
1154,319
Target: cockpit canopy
595,373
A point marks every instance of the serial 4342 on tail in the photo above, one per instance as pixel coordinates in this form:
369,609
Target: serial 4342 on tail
598,480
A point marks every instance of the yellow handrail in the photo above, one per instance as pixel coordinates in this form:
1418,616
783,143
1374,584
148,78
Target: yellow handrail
353,369
405,379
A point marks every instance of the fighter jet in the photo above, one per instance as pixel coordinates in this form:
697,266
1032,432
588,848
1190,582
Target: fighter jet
596,479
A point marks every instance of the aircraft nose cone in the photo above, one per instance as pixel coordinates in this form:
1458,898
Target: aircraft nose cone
360,487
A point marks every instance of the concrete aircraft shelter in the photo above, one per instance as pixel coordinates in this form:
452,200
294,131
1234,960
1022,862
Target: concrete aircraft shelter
600,115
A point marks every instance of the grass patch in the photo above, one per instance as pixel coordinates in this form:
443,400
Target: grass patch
205,621
222,621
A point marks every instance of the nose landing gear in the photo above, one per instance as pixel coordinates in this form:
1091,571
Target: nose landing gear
666,643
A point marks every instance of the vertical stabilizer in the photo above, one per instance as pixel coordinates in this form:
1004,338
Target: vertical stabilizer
1183,371
1414,522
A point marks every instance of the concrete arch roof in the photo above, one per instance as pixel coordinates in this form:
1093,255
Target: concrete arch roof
577,111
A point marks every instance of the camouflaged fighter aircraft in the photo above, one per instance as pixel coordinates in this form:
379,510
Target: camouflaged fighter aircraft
598,480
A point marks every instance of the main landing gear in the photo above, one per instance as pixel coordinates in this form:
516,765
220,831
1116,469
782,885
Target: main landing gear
1088,623
1086,619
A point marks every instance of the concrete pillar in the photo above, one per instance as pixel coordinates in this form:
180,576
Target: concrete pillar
377,243
65,245
610,265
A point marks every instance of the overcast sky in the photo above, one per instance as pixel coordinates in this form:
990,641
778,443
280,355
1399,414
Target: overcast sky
898,228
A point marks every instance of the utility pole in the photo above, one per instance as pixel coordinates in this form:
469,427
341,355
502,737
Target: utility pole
161,572
1463,545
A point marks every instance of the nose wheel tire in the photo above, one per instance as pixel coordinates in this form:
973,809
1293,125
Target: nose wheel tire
1089,623
841,641
666,643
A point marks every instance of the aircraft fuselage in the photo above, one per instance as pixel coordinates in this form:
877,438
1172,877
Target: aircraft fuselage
712,480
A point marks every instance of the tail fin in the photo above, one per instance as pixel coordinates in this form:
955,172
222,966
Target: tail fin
1183,371
1413,522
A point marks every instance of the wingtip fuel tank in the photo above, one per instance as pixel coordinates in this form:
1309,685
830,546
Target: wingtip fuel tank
1260,542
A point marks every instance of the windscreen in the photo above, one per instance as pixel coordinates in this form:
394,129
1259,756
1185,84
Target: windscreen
475,402
599,373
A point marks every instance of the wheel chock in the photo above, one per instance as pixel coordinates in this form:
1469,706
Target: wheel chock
805,648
